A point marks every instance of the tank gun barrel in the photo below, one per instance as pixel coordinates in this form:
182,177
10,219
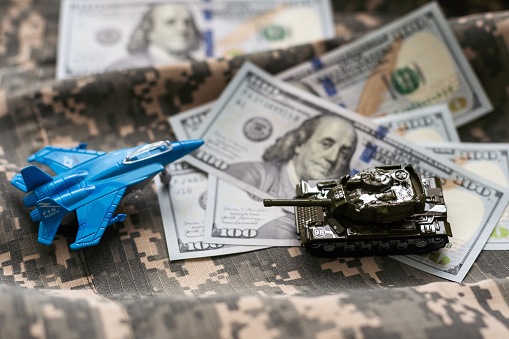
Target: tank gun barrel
296,202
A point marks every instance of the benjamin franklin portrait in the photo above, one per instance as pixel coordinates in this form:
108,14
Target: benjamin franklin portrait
320,148
167,33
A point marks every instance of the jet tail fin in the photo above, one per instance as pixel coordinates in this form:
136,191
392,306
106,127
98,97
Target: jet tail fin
51,214
32,177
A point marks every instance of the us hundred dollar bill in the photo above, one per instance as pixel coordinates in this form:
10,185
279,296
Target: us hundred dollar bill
104,35
433,123
264,135
412,62
241,214
183,203
489,161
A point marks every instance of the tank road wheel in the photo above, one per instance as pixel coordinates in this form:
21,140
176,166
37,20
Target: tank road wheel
349,247
315,245
438,240
329,247
384,246
366,246
402,245
421,243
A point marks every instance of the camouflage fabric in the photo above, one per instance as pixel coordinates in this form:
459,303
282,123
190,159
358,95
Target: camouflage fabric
127,287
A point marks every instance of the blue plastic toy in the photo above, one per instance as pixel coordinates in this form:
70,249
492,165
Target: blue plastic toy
90,182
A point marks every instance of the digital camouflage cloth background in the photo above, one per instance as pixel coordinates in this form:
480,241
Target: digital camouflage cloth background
127,287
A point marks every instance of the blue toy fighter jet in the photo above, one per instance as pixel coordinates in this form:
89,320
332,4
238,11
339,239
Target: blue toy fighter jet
90,182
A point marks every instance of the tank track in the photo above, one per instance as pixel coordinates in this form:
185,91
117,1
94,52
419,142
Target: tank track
393,246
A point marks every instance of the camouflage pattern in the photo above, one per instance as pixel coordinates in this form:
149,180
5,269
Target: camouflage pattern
126,286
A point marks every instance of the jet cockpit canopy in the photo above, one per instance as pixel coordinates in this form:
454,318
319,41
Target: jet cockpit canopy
149,151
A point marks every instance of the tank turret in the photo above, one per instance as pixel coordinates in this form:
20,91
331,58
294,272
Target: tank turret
380,210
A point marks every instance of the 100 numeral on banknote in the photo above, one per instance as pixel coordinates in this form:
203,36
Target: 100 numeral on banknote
183,203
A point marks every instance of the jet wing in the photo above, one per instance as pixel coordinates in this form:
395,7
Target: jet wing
62,159
94,217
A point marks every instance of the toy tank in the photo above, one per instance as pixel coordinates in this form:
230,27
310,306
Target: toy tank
381,210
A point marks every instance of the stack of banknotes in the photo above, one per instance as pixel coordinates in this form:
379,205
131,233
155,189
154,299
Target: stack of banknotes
394,96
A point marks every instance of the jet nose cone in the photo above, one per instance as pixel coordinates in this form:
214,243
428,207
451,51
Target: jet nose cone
191,145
